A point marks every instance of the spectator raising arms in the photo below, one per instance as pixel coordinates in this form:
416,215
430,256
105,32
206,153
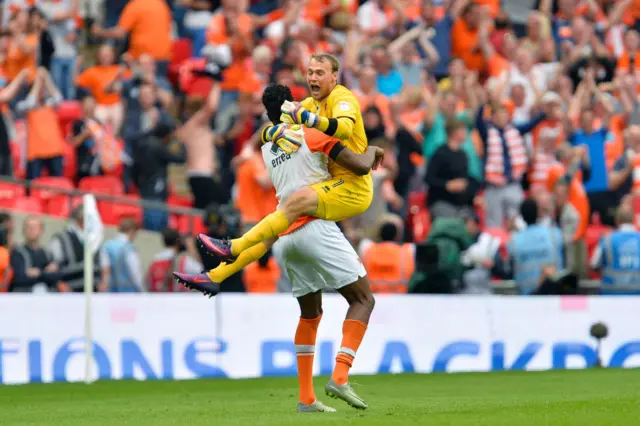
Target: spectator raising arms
62,27
109,109
148,25
198,139
45,143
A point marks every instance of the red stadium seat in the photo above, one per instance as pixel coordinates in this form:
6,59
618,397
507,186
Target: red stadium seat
69,111
61,205
186,224
112,212
418,216
105,185
54,202
417,199
52,182
179,201
421,225
70,162
27,205
592,237
19,166
9,192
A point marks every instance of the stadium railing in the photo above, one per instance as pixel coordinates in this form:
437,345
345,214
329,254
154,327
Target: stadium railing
74,194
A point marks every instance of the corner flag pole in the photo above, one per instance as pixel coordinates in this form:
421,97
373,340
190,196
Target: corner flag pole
93,230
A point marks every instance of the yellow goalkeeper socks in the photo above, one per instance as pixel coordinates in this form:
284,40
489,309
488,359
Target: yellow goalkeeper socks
248,256
269,227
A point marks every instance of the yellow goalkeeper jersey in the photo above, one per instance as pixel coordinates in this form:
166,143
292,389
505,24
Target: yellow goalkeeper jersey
341,102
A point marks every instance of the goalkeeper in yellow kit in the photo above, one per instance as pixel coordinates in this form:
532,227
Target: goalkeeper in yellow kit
334,110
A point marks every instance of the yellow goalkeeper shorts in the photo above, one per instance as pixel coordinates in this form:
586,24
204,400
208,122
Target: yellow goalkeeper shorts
340,199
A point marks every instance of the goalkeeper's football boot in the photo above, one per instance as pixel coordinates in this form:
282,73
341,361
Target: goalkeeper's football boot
316,407
346,393
216,247
199,282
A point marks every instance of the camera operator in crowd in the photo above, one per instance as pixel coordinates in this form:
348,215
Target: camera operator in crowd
222,221
33,268
180,254
482,260
439,266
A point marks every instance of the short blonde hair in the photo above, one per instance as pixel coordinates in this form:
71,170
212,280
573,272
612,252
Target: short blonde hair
324,57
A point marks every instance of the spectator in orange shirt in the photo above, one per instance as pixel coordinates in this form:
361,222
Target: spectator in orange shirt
256,197
286,75
148,24
629,62
232,20
316,11
261,64
368,96
291,56
45,143
96,79
262,276
22,49
465,38
491,6
573,208
312,40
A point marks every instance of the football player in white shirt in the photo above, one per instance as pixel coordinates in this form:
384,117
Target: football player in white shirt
316,255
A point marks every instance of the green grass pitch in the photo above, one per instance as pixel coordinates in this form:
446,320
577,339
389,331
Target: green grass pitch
579,397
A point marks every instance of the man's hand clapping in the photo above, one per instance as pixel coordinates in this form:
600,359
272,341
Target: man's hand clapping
457,185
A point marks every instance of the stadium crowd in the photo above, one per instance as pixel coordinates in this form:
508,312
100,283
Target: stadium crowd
511,128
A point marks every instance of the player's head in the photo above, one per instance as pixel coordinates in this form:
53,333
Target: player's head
322,75
273,98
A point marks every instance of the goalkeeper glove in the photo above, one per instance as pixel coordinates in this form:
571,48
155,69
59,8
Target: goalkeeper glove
271,133
290,140
293,113
288,137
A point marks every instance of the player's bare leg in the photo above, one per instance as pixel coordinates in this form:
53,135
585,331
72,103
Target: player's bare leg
209,282
305,341
361,303
300,203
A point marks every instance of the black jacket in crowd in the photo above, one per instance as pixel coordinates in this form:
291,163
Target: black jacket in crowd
444,166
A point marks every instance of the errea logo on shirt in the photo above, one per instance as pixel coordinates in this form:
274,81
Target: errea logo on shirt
344,106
